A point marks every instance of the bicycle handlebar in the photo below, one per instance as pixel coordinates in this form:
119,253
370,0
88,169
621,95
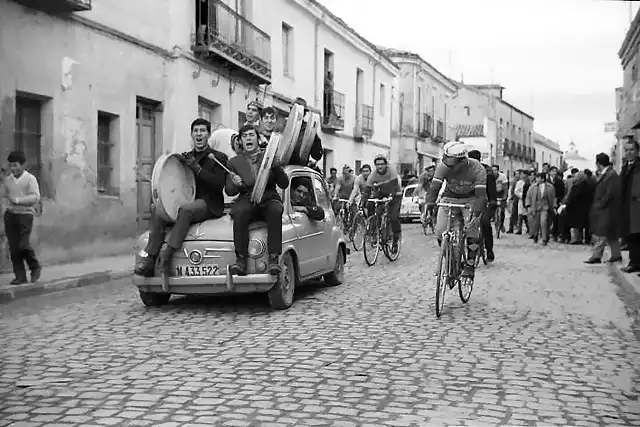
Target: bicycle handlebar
383,200
452,205
343,200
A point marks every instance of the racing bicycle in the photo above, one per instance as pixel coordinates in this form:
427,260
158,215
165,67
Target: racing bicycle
498,217
378,235
428,221
453,258
343,217
358,228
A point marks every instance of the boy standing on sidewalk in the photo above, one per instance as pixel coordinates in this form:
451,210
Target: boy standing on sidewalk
21,193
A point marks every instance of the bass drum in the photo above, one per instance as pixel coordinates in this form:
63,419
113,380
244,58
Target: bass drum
172,185
290,134
303,147
224,140
265,168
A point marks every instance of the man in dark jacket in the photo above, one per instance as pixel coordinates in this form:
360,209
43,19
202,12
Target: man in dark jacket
209,201
244,168
630,212
605,208
558,186
490,210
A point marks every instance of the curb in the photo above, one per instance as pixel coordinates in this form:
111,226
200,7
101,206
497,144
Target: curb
13,293
623,280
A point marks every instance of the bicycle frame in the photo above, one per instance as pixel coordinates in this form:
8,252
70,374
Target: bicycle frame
455,235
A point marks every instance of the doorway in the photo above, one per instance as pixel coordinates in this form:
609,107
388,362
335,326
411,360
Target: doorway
146,156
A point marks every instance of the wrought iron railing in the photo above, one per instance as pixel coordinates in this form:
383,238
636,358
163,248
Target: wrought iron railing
225,30
334,118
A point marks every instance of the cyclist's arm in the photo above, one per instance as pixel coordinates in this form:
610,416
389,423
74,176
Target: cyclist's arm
336,192
439,176
356,189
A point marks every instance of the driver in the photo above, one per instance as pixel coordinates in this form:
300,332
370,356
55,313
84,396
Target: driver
385,182
466,184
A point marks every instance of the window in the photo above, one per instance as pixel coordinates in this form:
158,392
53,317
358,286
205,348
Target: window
287,50
358,166
298,181
321,194
367,117
467,110
208,111
28,133
242,118
105,149
383,98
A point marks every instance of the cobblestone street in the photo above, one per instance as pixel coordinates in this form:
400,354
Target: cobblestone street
544,340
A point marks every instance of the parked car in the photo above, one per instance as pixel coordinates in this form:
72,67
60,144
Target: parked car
310,250
410,208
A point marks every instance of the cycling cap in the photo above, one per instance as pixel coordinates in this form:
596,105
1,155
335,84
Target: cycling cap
455,149
380,157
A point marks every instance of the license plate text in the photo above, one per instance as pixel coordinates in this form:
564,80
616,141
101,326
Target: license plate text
196,270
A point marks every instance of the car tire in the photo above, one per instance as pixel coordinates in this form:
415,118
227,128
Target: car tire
336,277
154,299
283,291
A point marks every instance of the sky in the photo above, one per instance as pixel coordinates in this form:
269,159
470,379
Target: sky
558,60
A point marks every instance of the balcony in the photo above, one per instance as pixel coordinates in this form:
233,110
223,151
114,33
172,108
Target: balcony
57,6
425,126
227,39
440,136
333,120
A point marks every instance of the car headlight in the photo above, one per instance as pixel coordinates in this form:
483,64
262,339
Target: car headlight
257,248
142,244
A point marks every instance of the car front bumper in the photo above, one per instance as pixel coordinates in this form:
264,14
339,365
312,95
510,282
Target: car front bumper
207,285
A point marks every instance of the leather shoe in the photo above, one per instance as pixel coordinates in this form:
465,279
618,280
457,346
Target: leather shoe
593,261
616,259
630,269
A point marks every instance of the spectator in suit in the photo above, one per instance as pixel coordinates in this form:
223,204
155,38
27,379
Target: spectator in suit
603,217
630,211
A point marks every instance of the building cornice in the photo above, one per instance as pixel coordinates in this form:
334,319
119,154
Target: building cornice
403,56
428,69
631,41
479,92
341,28
546,142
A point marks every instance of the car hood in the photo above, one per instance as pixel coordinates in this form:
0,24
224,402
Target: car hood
219,229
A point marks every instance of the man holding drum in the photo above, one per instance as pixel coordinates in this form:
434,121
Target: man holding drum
209,201
244,172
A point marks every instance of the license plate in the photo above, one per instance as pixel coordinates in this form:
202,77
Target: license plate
197,270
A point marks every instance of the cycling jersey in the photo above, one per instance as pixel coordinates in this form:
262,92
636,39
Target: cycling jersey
462,181
389,188
344,186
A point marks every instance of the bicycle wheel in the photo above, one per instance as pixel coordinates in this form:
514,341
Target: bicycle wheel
442,274
358,230
371,247
388,243
497,222
465,284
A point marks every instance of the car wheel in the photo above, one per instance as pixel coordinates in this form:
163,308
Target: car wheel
336,277
154,299
281,295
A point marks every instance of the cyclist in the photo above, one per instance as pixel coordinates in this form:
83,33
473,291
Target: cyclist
344,187
502,185
424,181
466,184
361,181
490,210
385,182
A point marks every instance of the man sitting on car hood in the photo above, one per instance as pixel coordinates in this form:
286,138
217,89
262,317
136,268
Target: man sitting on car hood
244,172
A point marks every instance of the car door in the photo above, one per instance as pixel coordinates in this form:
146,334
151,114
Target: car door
309,233
325,250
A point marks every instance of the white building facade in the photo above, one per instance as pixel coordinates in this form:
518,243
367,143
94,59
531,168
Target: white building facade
423,123
547,151
514,135
308,41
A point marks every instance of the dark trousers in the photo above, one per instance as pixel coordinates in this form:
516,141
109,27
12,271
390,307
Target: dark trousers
244,213
485,226
18,228
188,214
513,219
633,240
394,215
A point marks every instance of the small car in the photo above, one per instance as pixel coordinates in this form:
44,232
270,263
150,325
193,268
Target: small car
310,250
410,208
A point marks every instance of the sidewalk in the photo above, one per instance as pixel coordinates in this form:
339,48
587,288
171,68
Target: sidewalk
60,277
631,281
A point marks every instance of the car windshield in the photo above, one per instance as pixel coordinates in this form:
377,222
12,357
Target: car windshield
408,192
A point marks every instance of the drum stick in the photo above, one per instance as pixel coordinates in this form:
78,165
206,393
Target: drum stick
212,157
